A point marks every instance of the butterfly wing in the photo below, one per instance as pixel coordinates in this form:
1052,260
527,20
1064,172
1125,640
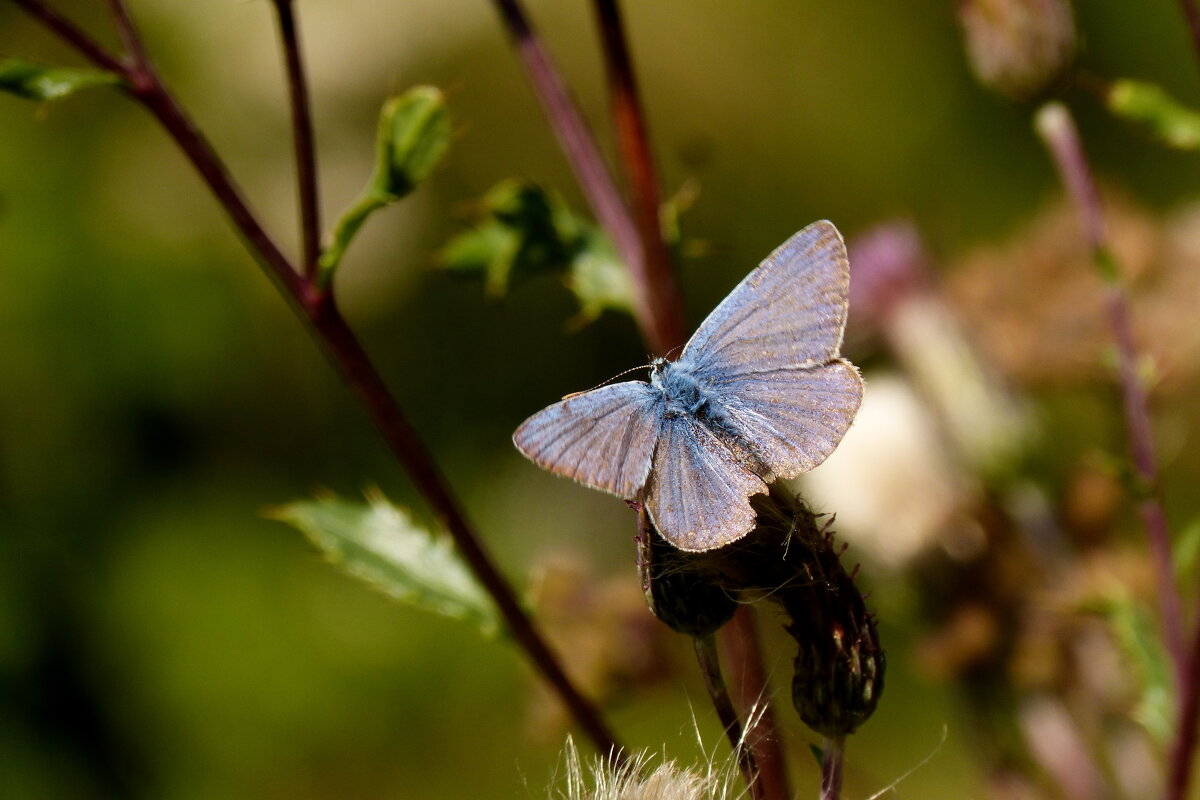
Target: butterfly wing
794,418
603,438
789,312
699,495
770,352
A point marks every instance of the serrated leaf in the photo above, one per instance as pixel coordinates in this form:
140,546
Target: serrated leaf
1148,105
39,82
524,231
379,544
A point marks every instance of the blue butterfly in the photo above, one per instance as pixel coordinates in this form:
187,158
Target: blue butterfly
759,393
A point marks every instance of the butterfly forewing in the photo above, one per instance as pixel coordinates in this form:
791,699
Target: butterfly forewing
699,496
603,438
789,312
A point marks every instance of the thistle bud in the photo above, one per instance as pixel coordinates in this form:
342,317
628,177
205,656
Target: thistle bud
791,559
686,597
1017,47
840,664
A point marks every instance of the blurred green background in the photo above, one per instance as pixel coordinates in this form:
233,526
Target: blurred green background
159,637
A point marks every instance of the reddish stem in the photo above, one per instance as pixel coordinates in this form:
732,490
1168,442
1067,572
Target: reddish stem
1185,736
1192,16
588,164
130,39
358,371
1057,129
743,652
718,692
832,755
303,139
74,36
636,155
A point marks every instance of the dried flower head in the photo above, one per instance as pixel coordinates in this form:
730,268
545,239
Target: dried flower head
1017,47
1036,308
638,779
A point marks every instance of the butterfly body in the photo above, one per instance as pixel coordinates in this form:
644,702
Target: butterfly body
760,392
684,393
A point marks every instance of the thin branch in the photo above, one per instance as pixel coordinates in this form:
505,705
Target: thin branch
74,36
130,39
586,160
304,141
832,755
1192,15
197,149
638,159
1180,772
319,313
1057,129
718,692
743,652
356,367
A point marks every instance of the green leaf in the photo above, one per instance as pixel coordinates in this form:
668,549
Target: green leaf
524,231
413,136
1138,639
1148,105
38,82
378,543
599,279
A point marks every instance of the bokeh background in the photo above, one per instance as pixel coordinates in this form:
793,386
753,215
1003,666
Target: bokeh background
159,637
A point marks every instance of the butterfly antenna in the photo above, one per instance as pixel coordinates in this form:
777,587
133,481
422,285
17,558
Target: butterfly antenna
610,380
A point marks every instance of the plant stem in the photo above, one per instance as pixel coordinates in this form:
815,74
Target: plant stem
1192,15
638,159
320,314
832,752
356,367
72,35
1057,129
304,140
743,652
1180,771
718,692
593,175
130,39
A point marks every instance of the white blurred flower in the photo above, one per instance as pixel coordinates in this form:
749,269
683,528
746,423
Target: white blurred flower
891,481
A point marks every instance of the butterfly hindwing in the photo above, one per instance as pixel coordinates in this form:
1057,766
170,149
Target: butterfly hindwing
699,495
603,438
794,418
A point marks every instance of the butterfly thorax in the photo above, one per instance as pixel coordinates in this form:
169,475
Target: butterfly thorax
684,392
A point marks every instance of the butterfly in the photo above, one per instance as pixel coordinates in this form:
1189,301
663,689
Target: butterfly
759,393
